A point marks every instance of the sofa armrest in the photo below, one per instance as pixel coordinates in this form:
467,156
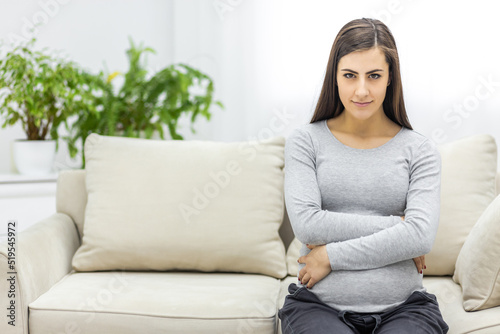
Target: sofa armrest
43,255
498,183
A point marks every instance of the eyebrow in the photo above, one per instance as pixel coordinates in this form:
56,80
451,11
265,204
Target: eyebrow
369,72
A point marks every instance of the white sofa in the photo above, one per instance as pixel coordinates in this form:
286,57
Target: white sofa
52,297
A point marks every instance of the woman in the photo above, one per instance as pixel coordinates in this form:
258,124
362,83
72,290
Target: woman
362,191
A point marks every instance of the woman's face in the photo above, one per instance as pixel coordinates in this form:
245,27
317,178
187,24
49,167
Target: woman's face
362,79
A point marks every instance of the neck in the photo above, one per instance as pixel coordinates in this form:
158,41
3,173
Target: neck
373,126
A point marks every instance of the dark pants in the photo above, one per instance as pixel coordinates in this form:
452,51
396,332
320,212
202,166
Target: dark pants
303,312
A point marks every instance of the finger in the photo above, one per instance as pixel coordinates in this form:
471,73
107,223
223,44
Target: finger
302,272
418,263
423,262
301,259
305,279
310,246
310,283
420,266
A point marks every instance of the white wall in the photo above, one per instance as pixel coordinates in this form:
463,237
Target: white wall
267,57
271,55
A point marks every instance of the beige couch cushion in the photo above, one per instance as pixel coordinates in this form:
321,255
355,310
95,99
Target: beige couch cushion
469,168
186,205
498,183
449,295
152,302
478,264
292,255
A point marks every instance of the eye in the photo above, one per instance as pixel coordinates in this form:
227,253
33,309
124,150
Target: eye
349,75
374,76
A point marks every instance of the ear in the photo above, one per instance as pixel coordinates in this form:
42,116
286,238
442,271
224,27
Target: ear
389,81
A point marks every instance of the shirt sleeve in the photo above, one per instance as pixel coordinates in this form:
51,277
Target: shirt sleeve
310,223
415,236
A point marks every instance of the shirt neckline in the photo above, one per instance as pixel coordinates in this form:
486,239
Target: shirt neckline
387,143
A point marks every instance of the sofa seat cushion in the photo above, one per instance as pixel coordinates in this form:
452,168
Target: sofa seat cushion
449,295
157,302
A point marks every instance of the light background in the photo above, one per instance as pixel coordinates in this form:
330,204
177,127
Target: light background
268,57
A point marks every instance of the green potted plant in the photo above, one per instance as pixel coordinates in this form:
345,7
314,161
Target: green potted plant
145,102
40,92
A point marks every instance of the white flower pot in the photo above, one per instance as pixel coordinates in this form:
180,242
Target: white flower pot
34,157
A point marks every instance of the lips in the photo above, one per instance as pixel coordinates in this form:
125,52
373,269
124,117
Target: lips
361,104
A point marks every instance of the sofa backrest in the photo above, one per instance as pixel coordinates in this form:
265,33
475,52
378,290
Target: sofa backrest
71,196
71,199
498,183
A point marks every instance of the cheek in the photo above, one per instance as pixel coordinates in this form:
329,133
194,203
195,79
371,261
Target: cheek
344,90
380,91
344,95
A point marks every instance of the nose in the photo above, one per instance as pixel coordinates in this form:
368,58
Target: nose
361,89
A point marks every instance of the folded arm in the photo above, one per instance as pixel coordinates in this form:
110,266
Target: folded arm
310,223
408,240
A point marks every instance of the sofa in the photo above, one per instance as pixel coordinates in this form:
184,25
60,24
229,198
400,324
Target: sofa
193,237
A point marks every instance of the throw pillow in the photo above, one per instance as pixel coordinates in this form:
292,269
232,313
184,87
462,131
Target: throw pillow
468,171
478,266
292,254
183,205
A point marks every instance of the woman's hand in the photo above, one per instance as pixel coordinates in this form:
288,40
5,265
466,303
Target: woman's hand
317,265
419,261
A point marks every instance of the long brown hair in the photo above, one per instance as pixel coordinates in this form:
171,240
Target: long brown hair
360,35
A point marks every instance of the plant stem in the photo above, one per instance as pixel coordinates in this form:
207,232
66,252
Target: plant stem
31,131
45,128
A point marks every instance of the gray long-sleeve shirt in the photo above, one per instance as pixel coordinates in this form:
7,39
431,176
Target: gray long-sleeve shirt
351,200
